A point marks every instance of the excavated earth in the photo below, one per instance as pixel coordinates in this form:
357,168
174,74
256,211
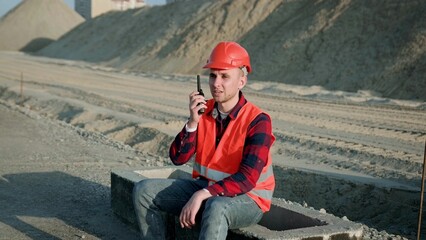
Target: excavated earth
112,93
66,124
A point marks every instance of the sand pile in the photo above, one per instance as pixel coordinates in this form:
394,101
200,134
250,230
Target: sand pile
175,38
345,45
33,24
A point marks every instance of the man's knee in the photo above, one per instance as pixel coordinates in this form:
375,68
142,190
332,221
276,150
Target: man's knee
138,188
141,189
217,205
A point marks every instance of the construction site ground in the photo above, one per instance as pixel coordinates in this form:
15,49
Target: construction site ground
66,124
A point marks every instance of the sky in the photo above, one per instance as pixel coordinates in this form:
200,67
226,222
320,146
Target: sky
6,5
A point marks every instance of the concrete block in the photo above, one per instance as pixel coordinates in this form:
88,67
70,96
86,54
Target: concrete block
123,181
285,220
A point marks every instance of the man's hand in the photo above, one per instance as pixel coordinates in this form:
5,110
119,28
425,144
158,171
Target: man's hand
191,208
196,102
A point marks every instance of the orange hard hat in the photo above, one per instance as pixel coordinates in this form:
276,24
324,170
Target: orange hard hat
227,55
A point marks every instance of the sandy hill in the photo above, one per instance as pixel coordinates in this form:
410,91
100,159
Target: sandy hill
33,24
338,44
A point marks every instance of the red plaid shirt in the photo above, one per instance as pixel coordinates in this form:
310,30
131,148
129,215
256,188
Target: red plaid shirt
257,145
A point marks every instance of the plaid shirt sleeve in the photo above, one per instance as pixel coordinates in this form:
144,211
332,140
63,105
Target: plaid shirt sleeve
257,145
256,150
183,147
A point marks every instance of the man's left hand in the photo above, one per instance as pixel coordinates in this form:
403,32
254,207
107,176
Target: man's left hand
191,208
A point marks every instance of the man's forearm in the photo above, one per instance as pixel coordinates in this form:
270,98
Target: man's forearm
183,147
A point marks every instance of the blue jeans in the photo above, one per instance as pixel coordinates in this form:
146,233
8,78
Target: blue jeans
154,198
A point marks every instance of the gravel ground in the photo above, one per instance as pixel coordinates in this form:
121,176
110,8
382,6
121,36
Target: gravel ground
54,180
353,155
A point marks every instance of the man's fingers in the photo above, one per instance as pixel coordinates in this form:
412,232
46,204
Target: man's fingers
192,220
184,219
181,220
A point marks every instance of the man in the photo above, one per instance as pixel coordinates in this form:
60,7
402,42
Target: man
233,179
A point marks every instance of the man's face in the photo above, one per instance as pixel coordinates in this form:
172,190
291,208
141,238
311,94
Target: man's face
226,83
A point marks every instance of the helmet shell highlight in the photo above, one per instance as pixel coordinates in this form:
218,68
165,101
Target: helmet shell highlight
228,55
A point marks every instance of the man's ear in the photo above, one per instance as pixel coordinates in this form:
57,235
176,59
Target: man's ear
243,82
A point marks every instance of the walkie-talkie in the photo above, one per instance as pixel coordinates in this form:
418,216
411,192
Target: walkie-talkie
200,92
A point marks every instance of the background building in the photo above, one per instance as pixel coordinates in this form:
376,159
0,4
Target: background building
92,8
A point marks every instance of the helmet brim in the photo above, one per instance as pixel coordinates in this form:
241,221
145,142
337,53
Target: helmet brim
215,65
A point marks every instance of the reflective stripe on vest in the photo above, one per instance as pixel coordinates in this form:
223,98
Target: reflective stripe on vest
215,176
262,193
213,163
218,175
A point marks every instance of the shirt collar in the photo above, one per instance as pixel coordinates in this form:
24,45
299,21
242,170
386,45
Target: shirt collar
234,112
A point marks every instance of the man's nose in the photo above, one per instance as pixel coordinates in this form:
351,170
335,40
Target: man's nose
216,81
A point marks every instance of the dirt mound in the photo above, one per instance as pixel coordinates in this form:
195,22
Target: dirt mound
32,24
342,45
175,38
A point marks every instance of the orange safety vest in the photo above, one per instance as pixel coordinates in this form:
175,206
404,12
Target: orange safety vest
218,163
